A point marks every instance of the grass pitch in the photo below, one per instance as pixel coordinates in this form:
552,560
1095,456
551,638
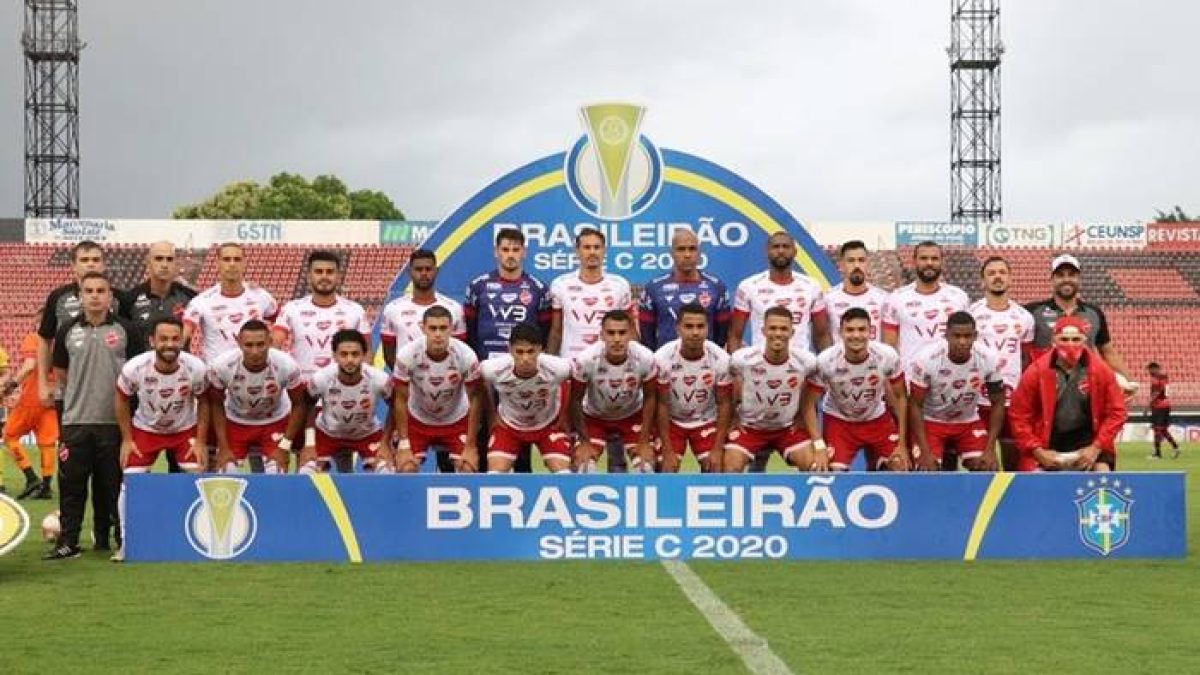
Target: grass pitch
89,615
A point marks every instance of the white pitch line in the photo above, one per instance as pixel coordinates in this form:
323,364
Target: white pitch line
747,644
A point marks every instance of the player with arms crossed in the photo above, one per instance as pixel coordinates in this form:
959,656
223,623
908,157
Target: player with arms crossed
437,397
658,311
855,291
580,299
257,399
858,376
946,380
915,315
402,317
347,391
769,377
613,395
780,286
695,394
529,406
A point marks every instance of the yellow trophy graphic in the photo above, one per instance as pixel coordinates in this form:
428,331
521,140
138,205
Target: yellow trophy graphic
221,523
613,131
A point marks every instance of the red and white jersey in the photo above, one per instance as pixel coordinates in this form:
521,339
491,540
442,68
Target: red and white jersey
348,412
953,391
311,327
583,307
920,318
802,296
255,398
614,391
528,403
856,392
218,317
437,390
691,385
1006,332
166,401
402,319
770,391
837,301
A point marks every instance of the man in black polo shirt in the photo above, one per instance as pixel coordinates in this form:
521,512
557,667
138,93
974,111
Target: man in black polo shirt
89,352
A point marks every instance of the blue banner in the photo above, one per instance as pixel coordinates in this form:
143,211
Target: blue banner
360,518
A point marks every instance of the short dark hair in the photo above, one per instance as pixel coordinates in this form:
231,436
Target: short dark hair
691,308
436,312
422,254
855,313
324,256
1153,365
926,244
960,318
349,335
616,315
510,234
992,259
165,321
230,244
776,310
589,232
852,245
86,245
253,325
526,332
95,275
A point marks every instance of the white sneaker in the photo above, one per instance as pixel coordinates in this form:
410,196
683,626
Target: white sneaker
119,556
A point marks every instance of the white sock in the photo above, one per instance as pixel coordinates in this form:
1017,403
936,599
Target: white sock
231,467
560,471
121,514
309,468
271,467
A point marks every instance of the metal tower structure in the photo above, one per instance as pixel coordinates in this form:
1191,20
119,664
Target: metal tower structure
51,45
975,51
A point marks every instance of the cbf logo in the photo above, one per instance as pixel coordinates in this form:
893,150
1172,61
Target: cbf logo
613,172
221,524
1104,512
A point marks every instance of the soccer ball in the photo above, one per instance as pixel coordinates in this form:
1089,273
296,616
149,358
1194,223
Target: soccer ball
51,527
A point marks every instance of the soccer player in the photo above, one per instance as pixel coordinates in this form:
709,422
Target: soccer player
580,299
348,391
915,315
613,396
28,415
436,399
257,398
1159,410
862,381
780,286
695,393
402,317
219,313
161,294
1007,329
529,406
855,291
946,381
769,378
658,311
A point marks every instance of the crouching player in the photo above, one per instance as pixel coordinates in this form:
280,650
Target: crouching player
530,403
437,399
858,376
769,378
613,396
695,394
257,400
348,392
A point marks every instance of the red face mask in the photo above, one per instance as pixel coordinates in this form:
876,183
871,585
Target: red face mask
1069,354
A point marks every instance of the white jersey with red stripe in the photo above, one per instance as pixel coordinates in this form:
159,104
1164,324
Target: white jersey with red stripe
801,295
614,391
837,301
583,306
166,401
437,389
218,317
856,392
528,403
255,398
953,391
402,319
920,318
691,385
770,391
1006,332
311,327
348,412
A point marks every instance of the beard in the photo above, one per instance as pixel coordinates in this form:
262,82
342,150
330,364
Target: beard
857,278
929,274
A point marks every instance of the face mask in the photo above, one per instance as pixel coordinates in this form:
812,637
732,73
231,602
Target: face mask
1069,354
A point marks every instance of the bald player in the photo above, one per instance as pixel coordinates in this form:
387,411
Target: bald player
658,311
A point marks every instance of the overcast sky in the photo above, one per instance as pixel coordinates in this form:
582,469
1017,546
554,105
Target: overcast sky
840,110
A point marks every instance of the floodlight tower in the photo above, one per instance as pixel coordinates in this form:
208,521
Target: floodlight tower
975,51
51,45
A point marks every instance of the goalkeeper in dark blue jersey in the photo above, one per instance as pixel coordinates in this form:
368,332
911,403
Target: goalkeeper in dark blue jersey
663,296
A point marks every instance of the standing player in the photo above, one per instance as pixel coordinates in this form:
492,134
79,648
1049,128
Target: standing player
161,294
915,315
580,299
947,379
529,406
613,396
436,400
769,379
695,394
402,316
780,286
658,311
219,313
257,400
857,377
855,291
348,391
1160,411
1006,328
28,415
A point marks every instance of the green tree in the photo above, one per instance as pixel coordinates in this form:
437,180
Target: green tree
289,196
1175,215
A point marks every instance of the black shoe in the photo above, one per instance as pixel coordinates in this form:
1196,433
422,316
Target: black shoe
44,492
63,552
31,489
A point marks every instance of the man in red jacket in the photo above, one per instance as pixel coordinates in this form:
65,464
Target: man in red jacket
1068,408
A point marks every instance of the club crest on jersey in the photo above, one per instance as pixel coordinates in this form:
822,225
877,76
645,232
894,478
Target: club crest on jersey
1105,512
705,299
221,523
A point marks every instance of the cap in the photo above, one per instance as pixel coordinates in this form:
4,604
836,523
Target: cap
1071,325
1064,259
